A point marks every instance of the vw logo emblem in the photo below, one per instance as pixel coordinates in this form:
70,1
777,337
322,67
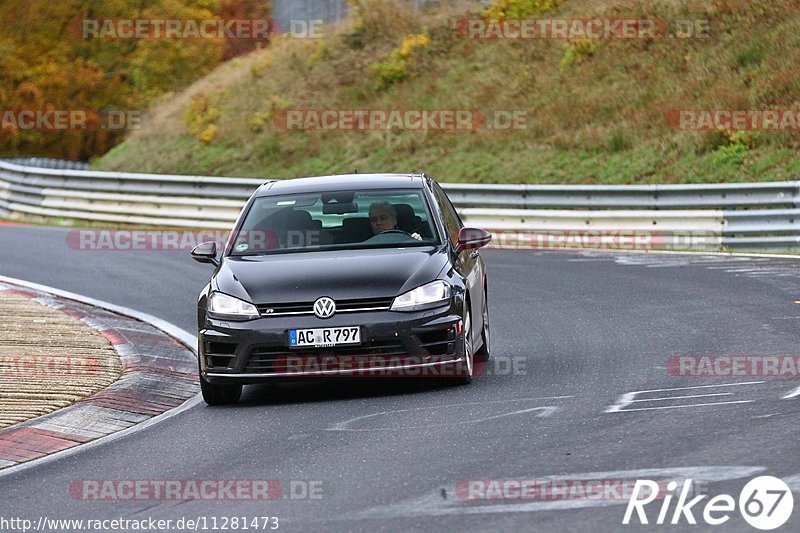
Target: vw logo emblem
324,307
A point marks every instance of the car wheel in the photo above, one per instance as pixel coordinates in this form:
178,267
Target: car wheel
215,394
467,368
482,353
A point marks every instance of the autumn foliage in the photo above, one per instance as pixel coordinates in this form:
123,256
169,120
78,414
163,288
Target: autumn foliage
46,63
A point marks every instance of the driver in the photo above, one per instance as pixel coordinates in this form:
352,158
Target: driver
383,217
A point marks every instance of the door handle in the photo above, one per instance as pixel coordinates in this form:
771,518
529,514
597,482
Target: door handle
473,255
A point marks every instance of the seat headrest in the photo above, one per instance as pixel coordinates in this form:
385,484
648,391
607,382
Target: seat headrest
298,219
406,218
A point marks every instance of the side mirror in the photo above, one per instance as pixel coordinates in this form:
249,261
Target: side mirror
206,252
472,238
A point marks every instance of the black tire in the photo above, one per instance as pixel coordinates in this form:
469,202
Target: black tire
466,369
214,394
482,353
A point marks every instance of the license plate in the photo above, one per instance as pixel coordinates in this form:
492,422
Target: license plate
324,337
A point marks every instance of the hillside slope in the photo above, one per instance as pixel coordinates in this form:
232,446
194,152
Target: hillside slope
596,111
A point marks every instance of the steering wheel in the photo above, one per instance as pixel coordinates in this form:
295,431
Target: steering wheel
393,231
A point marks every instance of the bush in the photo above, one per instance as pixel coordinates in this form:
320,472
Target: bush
409,44
517,9
395,68
260,119
578,50
387,73
201,115
735,152
208,134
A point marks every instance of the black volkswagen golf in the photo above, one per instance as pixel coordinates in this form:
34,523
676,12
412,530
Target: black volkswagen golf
352,275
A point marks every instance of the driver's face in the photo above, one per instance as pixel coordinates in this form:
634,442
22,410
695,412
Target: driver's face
382,219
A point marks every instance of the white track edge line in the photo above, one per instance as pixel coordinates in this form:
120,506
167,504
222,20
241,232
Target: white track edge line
187,339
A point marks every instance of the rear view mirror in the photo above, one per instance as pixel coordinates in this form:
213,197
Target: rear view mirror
206,252
339,208
339,203
338,197
472,238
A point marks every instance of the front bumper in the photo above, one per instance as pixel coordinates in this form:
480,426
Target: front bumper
422,343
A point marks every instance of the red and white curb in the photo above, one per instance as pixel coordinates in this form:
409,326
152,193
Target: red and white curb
160,374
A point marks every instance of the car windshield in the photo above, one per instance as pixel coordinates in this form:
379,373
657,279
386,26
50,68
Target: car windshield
335,220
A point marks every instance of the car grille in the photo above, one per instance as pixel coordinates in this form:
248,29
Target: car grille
219,354
440,342
278,359
307,308
275,359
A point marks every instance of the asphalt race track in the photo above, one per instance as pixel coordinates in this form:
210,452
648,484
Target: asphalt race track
583,328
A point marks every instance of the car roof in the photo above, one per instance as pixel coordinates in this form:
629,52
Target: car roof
338,182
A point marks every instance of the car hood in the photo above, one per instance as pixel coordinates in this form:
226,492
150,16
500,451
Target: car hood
350,274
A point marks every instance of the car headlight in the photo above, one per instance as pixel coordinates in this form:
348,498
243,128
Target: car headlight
230,308
430,295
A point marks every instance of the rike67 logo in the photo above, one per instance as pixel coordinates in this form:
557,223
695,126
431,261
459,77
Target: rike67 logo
765,503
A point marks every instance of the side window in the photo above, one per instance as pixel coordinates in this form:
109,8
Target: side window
452,221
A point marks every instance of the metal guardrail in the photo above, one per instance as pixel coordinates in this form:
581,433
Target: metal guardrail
660,197
125,198
739,216
48,162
